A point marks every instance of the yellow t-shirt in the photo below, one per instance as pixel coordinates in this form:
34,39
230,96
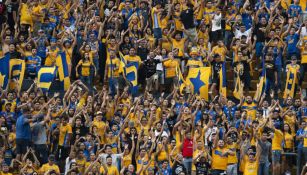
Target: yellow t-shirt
163,154
166,44
251,168
135,58
194,63
291,121
113,67
219,50
289,140
47,167
219,162
13,107
208,13
64,130
178,23
232,158
304,55
113,142
37,13
139,162
170,68
25,14
85,67
100,128
127,159
112,170
251,109
229,17
164,22
179,45
156,18
277,140
2,173
242,163
81,164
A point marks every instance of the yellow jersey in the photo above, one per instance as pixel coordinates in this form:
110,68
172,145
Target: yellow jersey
25,15
47,167
303,55
219,161
289,141
179,45
232,159
170,68
221,51
251,168
112,170
127,159
194,63
64,131
85,67
277,140
100,128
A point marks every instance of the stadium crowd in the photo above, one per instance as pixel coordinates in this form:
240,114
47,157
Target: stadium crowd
153,87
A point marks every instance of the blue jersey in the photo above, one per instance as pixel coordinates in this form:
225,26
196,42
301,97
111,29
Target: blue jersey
33,63
292,40
294,10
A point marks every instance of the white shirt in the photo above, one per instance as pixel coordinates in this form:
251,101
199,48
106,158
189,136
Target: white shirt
247,33
68,162
216,22
159,65
303,31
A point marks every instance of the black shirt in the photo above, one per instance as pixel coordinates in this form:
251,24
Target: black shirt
260,34
11,7
15,55
178,168
270,69
187,18
150,66
202,168
142,52
79,131
216,66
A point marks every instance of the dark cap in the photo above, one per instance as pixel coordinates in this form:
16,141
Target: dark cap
51,157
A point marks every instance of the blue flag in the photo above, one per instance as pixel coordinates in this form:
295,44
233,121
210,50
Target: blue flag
4,71
62,67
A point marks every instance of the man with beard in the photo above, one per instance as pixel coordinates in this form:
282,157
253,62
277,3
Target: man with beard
250,106
219,155
112,170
